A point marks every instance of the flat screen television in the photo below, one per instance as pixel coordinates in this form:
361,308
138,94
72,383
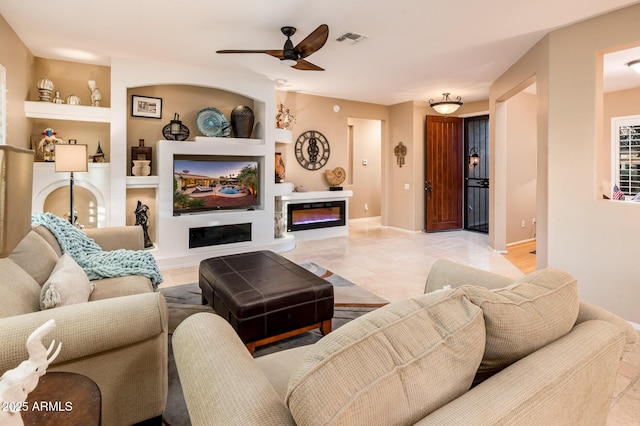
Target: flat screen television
209,183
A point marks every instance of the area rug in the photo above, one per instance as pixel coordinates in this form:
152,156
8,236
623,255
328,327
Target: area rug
350,302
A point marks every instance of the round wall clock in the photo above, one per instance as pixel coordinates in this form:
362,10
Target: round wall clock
312,150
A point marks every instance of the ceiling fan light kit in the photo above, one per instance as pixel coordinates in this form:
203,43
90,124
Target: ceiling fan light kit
291,55
446,106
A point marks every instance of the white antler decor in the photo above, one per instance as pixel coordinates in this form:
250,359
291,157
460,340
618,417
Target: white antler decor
16,384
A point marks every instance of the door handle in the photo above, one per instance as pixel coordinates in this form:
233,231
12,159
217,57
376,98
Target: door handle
429,189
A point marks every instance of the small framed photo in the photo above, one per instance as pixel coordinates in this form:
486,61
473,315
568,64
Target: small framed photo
144,106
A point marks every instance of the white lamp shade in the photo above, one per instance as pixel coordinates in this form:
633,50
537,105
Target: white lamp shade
446,109
71,158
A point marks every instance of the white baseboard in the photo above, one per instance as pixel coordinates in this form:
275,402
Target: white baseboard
515,243
634,325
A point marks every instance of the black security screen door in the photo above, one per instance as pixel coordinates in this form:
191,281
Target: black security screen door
476,192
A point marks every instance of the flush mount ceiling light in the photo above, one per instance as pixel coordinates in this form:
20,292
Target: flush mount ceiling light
635,65
446,106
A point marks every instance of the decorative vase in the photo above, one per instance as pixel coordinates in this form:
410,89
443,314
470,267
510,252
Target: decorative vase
141,168
279,225
280,170
242,121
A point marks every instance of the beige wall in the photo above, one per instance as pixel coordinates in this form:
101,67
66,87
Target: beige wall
589,237
521,167
366,179
19,63
316,113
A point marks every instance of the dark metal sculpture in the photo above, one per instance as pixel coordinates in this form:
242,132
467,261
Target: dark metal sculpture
142,219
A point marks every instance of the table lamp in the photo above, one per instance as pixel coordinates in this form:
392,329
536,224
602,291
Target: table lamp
71,158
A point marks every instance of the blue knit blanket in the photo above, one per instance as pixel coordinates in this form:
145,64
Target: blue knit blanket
96,263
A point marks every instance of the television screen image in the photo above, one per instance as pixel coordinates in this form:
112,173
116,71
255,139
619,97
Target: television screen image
210,183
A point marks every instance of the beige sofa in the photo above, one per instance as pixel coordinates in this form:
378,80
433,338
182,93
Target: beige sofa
118,338
529,353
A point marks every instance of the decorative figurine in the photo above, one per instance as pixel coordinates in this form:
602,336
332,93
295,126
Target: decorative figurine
58,99
142,219
96,96
335,177
47,145
16,384
73,100
284,119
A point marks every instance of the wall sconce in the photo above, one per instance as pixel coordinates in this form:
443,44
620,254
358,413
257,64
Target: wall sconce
446,106
474,158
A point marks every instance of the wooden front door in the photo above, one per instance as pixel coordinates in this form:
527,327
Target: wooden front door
444,173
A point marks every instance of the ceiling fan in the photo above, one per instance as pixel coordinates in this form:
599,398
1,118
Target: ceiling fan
294,56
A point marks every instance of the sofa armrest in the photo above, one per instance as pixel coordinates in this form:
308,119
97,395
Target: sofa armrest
118,237
221,382
88,328
590,312
569,381
445,272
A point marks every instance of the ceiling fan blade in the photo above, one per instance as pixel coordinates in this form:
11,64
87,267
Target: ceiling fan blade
306,66
313,41
275,53
242,51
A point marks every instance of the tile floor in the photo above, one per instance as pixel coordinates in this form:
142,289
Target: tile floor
394,265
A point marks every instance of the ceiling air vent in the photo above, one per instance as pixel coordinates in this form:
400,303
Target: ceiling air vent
352,37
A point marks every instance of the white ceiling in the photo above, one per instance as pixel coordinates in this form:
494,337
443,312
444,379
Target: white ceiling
413,50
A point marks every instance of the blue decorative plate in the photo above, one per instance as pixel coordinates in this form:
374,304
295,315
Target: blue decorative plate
211,122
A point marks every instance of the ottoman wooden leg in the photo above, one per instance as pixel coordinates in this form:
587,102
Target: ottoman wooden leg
325,327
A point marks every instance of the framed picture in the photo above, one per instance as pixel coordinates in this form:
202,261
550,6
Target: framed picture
144,106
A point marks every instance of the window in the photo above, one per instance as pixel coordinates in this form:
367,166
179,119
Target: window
625,156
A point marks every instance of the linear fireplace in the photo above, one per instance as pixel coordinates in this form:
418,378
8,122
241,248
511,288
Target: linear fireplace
314,215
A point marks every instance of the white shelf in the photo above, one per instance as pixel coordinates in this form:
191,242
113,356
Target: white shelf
229,141
142,181
284,188
49,110
318,195
283,135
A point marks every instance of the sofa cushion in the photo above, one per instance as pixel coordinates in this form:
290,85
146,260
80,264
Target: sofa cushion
525,316
48,237
19,292
35,256
394,365
67,285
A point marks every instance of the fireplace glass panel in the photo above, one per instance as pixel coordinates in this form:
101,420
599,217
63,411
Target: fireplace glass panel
306,216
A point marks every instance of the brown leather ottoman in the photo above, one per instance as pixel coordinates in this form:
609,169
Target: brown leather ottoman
266,297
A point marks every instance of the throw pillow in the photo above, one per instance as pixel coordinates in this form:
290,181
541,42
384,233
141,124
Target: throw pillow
67,285
525,316
394,365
